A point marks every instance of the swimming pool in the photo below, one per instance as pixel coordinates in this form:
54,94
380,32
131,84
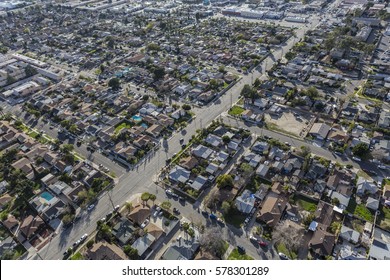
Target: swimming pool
46,196
144,125
136,118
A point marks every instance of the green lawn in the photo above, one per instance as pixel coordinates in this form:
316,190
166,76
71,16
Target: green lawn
33,134
255,183
306,203
236,111
77,256
235,255
282,248
359,210
121,126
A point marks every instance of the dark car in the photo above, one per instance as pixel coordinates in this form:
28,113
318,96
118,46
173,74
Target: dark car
241,249
176,211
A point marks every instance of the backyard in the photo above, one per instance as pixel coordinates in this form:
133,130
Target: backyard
306,203
359,210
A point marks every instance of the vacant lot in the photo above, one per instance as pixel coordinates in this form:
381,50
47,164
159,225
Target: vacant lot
236,110
287,123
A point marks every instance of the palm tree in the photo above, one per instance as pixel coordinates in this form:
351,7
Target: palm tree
152,197
128,206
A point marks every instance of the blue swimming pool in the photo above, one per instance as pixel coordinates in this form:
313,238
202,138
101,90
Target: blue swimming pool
144,125
136,118
47,196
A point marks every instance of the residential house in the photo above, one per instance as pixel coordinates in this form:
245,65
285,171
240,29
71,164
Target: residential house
245,202
105,251
380,246
319,130
322,243
199,183
363,186
372,203
123,231
142,244
349,235
139,214
272,209
179,174
202,152
31,225
181,250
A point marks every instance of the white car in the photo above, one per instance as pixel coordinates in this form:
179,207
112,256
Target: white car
283,256
253,238
382,166
356,159
144,224
90,207
83,237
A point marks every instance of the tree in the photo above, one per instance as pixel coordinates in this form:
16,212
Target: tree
305,151
335,201
308,219
186,107
226,139
361,150
224,180
257,83
246,169
226,207
213,84
221,69
114,83
66,148
335,227
287,235
212,242
166,205
131,252
145,197
159,73
152,197
128,206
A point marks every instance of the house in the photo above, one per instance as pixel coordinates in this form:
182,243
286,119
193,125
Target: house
181,250
221,157
322,243
155,130
179,174
272,209
245,202
324,214
349,235
380,247
363,186
54,210
319,130
31,225
139,214
262,170
123,231
212,168
372,203
213,140
105,251
342,198
260,147
202,152
4,200
142,244
189,162
338,136
199,183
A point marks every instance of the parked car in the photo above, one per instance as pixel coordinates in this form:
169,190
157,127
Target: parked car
145,223
241,249
356,159
82,239
282,256
176,211
263,244
90,207
252,238
116,208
